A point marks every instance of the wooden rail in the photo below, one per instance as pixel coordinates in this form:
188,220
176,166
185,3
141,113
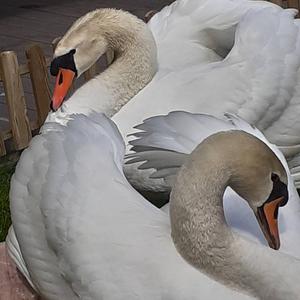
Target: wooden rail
10,74
288,4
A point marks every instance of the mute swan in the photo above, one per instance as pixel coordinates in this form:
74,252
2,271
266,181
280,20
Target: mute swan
257,80
164,142
48,236
85,233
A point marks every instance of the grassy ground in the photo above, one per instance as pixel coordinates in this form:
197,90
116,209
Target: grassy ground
7,168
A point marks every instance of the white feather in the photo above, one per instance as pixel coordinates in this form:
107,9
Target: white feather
165,142
84,232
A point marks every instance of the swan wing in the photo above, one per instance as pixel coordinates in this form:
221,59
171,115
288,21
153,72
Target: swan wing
14,251
202,30
85,233
163,142
26,195
41,184
257,80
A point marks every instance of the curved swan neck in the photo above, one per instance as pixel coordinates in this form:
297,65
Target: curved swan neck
134,65
203,238
197,215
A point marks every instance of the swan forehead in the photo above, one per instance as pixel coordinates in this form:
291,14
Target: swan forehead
76,33
252,163
60,51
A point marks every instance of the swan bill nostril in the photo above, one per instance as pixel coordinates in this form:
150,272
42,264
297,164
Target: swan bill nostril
267,215
60,81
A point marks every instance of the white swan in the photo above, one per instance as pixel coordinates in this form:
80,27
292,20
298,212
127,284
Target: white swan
257,80
85,233
164,143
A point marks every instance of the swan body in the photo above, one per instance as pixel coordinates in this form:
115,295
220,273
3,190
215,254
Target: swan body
163,144
58,197
258,79
212,57
85,234
76,219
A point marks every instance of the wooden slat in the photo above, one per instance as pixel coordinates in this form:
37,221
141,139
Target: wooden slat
14,95
293,3
40,83
24,69
2,145
278,2
7,134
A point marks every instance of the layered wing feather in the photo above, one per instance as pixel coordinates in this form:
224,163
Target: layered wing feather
257,80
164,141
85,233
41,187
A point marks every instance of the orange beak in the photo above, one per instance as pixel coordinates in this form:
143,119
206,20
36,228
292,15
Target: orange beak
63,83
267,219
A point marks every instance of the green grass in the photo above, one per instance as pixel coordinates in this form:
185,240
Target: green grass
6,170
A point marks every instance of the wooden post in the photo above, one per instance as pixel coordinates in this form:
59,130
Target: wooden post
2,145
40,82
14,95
293,4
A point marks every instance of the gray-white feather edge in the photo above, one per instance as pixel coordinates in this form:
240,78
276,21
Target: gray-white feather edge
163,142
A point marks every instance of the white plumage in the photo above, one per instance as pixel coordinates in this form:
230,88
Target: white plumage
258,79
163,144
213,57
75,216
85,233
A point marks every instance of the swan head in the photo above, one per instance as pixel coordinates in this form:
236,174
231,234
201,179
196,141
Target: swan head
260,178
76,52
86,40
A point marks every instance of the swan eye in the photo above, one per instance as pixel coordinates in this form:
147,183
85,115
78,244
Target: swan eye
279,190
60,79
274,177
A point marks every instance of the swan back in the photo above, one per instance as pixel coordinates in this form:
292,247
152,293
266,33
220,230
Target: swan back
261,68
204,32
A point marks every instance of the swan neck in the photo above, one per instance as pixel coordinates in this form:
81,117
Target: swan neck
134,65
197,215
203,238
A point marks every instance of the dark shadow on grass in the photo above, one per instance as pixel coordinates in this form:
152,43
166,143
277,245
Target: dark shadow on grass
7,168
